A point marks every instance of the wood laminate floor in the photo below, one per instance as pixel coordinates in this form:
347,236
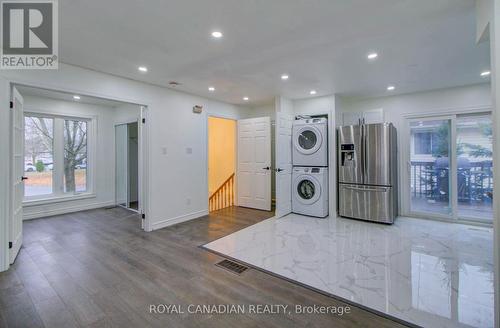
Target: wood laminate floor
98,269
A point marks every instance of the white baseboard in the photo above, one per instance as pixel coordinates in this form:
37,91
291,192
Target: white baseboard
179,219
65,210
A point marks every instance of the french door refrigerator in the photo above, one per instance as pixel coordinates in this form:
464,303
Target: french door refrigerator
367,172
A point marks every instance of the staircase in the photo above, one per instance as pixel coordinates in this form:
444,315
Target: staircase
223,197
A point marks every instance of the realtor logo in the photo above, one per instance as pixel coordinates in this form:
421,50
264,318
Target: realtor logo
29,35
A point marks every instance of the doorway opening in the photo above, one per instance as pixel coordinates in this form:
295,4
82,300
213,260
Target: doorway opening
451,167
221,163
127,165
60,155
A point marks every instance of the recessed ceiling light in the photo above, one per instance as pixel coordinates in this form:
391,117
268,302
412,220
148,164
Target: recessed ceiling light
246,98
391,88
211,89
143,69
284,77
217,34
312,92
76,97
372,55
485,73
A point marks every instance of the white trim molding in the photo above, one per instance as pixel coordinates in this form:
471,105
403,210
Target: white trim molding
66,210
448,111
55,200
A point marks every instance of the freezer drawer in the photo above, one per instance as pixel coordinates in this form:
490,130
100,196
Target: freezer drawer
372,203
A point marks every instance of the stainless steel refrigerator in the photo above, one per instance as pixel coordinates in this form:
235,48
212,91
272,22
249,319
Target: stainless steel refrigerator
367,172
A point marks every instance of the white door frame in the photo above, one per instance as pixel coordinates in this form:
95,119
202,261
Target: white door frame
144,178
143,156
235,189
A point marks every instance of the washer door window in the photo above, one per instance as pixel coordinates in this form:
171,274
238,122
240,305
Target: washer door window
308,189
308,140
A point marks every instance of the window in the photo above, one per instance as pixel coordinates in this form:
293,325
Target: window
56,156
38,155
75,156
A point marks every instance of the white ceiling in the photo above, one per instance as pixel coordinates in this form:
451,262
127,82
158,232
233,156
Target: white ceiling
59,95
321,44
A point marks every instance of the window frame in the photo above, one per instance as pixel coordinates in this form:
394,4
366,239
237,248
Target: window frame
451,115
58,193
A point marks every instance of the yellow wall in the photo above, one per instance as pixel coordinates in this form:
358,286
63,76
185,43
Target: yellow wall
221,151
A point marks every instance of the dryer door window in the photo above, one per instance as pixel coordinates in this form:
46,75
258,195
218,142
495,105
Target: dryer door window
308,140
306,189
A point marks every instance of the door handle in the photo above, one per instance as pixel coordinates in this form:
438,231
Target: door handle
279,170
379,189
24,178
266,168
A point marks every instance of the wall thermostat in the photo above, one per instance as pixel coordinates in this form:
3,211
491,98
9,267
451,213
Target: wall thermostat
197,109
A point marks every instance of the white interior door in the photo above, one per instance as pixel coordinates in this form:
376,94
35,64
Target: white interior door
17,172
254,163
284,124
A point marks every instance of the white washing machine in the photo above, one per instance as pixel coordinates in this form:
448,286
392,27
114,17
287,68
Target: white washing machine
310,142
310,191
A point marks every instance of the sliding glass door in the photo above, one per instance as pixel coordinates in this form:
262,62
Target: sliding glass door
475,167
430,166
450,167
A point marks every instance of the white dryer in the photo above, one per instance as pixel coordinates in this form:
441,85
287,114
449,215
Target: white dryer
310,142
310,191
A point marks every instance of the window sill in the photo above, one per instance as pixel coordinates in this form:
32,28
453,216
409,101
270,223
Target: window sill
57,199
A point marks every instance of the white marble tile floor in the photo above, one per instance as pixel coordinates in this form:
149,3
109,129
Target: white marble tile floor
429,273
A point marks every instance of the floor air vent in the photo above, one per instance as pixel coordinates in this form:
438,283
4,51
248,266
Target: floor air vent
232,266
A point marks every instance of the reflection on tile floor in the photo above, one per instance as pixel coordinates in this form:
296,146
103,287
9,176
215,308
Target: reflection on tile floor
429,273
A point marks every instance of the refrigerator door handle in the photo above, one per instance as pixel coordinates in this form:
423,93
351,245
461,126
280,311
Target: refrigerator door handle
365,162
362,151
377,189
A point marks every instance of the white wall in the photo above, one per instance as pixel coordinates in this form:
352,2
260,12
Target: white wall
127,113
177,179
433,101
312,106
258,111
104,188
437,101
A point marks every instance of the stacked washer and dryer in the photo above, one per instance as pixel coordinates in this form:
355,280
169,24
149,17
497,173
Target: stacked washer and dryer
310,167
